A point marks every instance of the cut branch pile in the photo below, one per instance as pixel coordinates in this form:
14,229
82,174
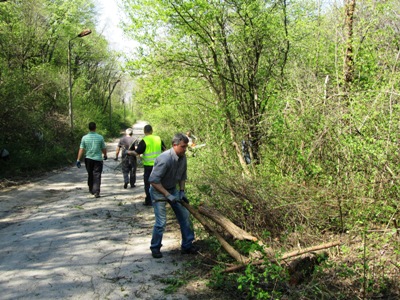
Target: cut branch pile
240,234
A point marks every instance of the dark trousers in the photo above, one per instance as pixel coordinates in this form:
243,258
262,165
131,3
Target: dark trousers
147,172
129,166
94,169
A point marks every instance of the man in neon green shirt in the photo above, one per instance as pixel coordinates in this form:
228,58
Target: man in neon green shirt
150,147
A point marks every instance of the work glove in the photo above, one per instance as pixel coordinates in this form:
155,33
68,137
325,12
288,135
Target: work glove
182,197
105,157
78,163
172,199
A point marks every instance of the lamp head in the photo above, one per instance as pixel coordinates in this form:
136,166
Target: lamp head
85,33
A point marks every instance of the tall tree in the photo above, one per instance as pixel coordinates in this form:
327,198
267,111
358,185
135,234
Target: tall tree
239,48
350,6
34,39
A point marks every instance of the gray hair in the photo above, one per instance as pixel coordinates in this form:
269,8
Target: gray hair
179,137
129,131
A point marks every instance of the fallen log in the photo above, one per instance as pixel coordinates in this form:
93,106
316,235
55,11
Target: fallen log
311,249
236,232
231,251
287,255
239,233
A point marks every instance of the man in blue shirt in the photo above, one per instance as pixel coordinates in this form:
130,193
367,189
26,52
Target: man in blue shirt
93,145
169,172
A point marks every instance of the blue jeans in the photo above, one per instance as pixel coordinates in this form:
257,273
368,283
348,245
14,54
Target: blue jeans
160,212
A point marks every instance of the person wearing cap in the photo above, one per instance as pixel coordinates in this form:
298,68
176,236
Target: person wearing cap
129,162
93,145
150,147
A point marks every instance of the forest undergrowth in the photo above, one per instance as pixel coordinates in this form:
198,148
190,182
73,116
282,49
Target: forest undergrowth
289,216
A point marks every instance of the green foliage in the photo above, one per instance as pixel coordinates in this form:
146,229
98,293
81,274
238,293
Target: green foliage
324,157
218,280
262,284
173,284
230,54
247,247
222,281
34,117
180,278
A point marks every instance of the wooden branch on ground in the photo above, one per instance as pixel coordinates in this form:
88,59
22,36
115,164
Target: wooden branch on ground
234,230
288,255
231,251
240,234
237,232
311,249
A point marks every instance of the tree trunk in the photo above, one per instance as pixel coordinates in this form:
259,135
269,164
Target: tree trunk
288,255
232,252
235,231
349,56
240,234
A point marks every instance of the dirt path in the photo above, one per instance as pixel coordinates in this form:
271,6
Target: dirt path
58,242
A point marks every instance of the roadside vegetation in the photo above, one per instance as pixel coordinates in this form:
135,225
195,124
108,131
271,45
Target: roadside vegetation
37,38
297,103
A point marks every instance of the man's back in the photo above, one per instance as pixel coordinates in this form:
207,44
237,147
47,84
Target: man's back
152,150
93,143
126,142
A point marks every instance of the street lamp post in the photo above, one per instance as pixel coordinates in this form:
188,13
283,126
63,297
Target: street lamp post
82,34
123,103
109,95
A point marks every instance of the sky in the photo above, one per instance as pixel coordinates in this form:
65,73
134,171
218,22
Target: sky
109,18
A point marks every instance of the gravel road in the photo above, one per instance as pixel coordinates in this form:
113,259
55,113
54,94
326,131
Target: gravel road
58,242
